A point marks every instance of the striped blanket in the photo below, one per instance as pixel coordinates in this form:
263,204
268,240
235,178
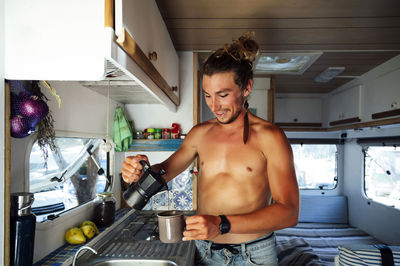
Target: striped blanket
317,243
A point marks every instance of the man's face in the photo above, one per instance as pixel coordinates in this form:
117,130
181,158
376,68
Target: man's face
224,97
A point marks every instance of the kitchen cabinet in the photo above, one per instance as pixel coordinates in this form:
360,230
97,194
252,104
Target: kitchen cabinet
77,41
383,96
298,111
345,106
142,19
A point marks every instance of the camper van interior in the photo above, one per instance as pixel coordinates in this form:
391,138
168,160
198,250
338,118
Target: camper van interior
84,84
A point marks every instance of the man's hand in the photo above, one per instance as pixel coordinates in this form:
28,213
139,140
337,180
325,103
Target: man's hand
132,169
201,227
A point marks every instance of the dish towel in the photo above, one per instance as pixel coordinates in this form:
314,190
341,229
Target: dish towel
122,131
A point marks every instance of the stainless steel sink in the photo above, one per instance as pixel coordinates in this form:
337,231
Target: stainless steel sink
134,241
135,262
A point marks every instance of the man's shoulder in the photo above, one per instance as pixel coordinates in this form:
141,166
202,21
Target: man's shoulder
267,132
204,126
201,128
264,127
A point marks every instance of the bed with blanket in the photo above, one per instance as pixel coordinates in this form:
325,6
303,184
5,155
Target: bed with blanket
322,228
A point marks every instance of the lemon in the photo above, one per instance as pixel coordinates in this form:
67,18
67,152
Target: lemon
75,236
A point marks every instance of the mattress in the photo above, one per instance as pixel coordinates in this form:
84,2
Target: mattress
317,243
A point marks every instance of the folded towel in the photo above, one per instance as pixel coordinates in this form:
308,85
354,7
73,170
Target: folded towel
122,131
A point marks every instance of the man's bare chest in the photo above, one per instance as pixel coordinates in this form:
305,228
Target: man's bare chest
231,156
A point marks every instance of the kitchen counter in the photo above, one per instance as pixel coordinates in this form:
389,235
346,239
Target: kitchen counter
134,234
136,237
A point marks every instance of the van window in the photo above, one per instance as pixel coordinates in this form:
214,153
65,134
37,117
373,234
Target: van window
75,173
315,165
382,174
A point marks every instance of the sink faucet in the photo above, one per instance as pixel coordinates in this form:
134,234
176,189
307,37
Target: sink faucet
79,250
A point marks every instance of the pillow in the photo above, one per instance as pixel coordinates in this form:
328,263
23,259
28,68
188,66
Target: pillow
365,255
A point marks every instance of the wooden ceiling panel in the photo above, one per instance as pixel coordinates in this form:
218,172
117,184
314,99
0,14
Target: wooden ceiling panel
356,34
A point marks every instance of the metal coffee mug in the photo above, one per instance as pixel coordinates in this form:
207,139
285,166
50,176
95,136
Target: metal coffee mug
171,225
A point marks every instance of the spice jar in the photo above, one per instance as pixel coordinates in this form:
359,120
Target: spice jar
104,211
150,133
157,133
166,133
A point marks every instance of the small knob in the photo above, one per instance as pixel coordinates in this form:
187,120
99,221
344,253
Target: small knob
153,56
174,88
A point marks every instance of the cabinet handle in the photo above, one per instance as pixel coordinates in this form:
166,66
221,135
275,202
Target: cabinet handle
174,88
153,56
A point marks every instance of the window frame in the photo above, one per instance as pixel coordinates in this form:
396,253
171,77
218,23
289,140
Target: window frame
338,161
375,142
61,215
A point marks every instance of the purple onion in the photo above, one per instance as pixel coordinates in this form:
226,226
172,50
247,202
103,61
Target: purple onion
20,127
16,101
34,109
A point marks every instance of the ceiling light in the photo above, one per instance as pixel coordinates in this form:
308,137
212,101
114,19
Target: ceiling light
285,63
329,74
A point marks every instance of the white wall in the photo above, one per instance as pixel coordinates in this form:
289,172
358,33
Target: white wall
259,97
157,115
374,218
2,133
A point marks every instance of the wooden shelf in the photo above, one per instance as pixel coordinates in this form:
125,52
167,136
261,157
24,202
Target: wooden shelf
386,114
345,121
155,144
299,124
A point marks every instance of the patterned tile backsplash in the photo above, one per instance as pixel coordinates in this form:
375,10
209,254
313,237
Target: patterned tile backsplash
180,194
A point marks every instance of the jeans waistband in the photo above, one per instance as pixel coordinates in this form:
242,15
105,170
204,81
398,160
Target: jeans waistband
234,248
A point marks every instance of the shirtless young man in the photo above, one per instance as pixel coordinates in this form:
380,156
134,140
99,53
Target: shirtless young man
247,185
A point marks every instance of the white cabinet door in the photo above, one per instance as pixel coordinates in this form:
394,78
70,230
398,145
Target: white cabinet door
142,19
54,40
345,104
298,110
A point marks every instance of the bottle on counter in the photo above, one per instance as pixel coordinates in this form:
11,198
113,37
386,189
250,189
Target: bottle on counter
104,210
22,229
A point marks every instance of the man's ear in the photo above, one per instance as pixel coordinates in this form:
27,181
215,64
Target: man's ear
248,88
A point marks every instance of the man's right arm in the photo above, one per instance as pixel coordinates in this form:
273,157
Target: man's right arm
174,165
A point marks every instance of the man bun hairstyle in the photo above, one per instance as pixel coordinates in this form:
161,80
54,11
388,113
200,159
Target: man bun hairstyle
237,57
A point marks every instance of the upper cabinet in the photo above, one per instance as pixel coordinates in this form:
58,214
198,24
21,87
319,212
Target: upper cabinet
298,111
345,107
102,45
143,21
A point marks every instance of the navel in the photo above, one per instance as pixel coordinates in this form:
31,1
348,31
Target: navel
249,169
202,163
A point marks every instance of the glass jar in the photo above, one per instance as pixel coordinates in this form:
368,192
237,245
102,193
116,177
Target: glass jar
104,210
139,135
150,133
166,133
157,133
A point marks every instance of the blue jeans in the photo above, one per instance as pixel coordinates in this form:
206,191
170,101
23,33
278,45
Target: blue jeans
260,251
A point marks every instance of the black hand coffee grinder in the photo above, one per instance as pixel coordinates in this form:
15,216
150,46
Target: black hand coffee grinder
139,193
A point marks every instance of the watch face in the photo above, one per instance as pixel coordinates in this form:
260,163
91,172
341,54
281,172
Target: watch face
224,226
